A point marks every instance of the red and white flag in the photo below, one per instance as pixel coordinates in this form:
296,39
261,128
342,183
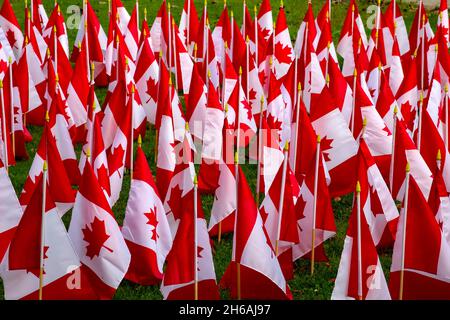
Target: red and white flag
12,211
145,227
284,52
63,275
360,275
11,28
421,252
97,238
261,276
56,25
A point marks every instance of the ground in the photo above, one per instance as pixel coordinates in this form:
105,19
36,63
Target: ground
303,286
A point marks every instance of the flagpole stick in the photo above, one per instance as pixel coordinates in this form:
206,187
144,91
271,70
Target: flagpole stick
42,240
169,58
378,24
447,127
188,24
358,216
355,76
86,35
4,132
132,133
260,146
238,265
92,109
55,42
247,62
206,47
159,94
316,175
175,62
297,125
224,71
32,9
137,13
232,36
391,167
327,73
195,238
402,267
109,6
255,10
419,133
11,102
117,54
418,23
281,203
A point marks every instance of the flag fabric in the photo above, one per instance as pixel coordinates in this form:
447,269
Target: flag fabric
145,227
97,238
11,28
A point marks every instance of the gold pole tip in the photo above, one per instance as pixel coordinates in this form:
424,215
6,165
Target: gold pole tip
139,141
319,139
408,168
439,155
45,166
358,187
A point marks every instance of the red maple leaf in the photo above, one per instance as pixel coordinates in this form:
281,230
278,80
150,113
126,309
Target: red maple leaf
248,109
252,95
103,179
386,129
96,237
408,112
152,221
152,89
375,203
283,53
264,33
11,38
175,202
3,66
300,208
116,159
326,145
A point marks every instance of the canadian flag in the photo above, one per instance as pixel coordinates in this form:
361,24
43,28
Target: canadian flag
265,21
11,28
189,25
421,253
439,202
184,266
5,53
132,34
405,152
145,227
12,211
408,97
337,143
58,180
443,22
309,165
56,25
352,34
196,104
284,53
59,127
377,205
376,133
146,77
360,275
393,17
97,238
386,103
63,275
39,15
95,146
95,38
118,10
253,257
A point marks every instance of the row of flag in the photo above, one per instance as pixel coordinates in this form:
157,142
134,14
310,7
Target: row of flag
375,127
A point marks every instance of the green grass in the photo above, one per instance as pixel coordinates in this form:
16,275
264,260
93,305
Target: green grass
303,286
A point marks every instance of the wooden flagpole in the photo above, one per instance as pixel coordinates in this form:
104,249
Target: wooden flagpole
169,45
260,148
281,202
86,35
391,167
42,240
447,126
188,25
439,160
316,175
297,125
132,133
55,42
232,37
402,267
255,10
377,32
137,14
11,104
4,132
195,238
175,55
419,133
358,218
238,265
